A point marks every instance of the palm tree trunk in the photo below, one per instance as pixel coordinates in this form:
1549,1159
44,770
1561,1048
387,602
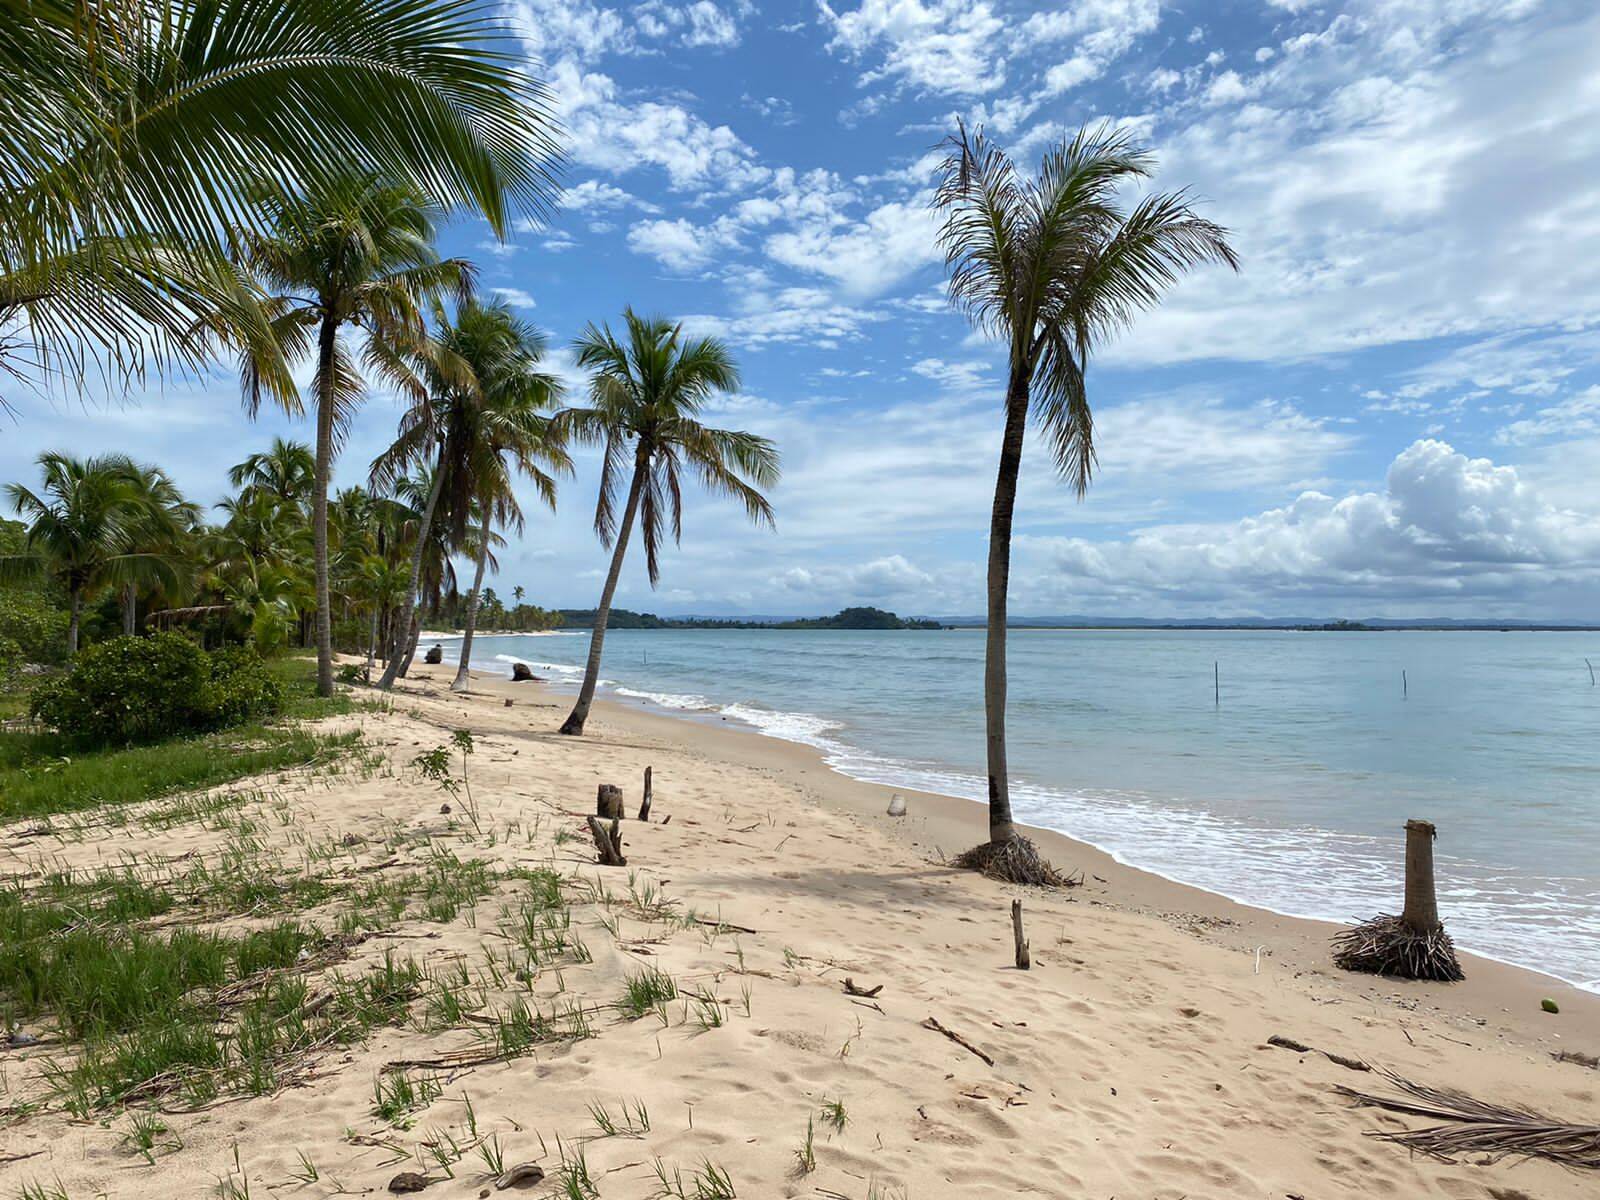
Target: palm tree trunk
130,601
372,642
460,682
413,636
76,605
591,672
326,341
1001,828
406,626
1422,901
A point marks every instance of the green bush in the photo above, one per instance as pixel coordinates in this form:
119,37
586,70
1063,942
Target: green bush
131,689
38,628
10,659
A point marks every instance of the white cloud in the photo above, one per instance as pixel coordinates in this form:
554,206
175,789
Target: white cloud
944,46
1446,531
866,257
1575,416
515,297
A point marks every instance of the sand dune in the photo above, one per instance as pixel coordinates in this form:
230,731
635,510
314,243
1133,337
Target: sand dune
1131,1061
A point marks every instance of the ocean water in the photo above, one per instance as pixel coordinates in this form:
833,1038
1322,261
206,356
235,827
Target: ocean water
1290,793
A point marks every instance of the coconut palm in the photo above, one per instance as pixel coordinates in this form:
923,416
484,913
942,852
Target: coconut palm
83,530
163,524
355,252
646,395
504,433
1051,266
138,131
285,471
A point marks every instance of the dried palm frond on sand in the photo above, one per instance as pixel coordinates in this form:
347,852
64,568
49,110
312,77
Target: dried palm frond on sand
1470,1126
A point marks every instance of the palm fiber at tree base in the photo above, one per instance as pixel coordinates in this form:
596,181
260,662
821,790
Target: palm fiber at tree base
1016,860
1468,1126
1386,945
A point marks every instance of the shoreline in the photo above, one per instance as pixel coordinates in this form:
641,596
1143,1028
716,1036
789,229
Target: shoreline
973,822
939,826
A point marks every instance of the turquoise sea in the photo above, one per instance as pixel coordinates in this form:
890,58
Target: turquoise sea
1289,794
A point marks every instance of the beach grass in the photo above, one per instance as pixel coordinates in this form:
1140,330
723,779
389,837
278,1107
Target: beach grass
42,773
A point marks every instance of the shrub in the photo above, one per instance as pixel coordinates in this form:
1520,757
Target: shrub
10,660
38,629
133,689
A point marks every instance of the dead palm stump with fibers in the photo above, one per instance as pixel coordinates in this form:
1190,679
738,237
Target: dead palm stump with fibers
1413,945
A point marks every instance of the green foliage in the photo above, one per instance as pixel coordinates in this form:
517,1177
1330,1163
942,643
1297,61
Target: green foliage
35,626
130,690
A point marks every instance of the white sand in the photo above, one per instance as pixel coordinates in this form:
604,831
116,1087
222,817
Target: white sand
1130,1062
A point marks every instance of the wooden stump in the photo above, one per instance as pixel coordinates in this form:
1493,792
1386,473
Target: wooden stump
1413,945
1024,960
644,805
608,801
608,842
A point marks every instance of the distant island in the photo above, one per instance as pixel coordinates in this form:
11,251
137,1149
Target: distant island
848,618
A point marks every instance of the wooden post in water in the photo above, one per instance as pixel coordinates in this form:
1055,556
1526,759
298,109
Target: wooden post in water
1405,686
1590,665
1216,682
1422,902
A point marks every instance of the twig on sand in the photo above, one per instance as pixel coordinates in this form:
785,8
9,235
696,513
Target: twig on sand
933,1024
1353,1064
721,924
1469,1126
851,989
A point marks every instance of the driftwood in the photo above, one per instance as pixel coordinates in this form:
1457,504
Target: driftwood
933,1024
1353,1064
850,989
523,1174
1469,1126
608,842
1024,960
644,805
608,802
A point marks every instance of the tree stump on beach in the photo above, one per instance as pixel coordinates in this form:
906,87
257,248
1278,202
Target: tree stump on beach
520,673
644,805
608,842
608,802
1024,959
1413,945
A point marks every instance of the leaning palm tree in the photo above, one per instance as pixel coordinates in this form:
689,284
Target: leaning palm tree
139,131
356,251
646,396
82,531
1051,266
504,434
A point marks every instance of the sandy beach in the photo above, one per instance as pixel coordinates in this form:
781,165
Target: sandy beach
1132,1060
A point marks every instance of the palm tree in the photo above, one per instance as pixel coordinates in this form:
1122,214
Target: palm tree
1051,265
162,525
357,251
285,471
83,530
518,592
645,400
502,433
144,128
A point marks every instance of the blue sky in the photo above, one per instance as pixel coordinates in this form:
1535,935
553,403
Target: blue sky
1394,409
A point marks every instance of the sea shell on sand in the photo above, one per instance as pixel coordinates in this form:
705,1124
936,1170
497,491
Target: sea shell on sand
897,805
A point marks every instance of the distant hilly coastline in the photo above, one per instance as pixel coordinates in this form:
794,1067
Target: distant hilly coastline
866,617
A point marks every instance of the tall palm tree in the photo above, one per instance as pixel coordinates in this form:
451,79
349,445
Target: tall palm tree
355,252
83,529
518,592
163,525
139,131
505,433
1051,266
646,396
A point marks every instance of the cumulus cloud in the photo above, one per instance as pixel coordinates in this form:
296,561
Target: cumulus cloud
945,46
1446,529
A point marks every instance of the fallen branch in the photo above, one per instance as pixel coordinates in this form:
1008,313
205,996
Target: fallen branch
1353,1064
850,989
933,1024
1469,1126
